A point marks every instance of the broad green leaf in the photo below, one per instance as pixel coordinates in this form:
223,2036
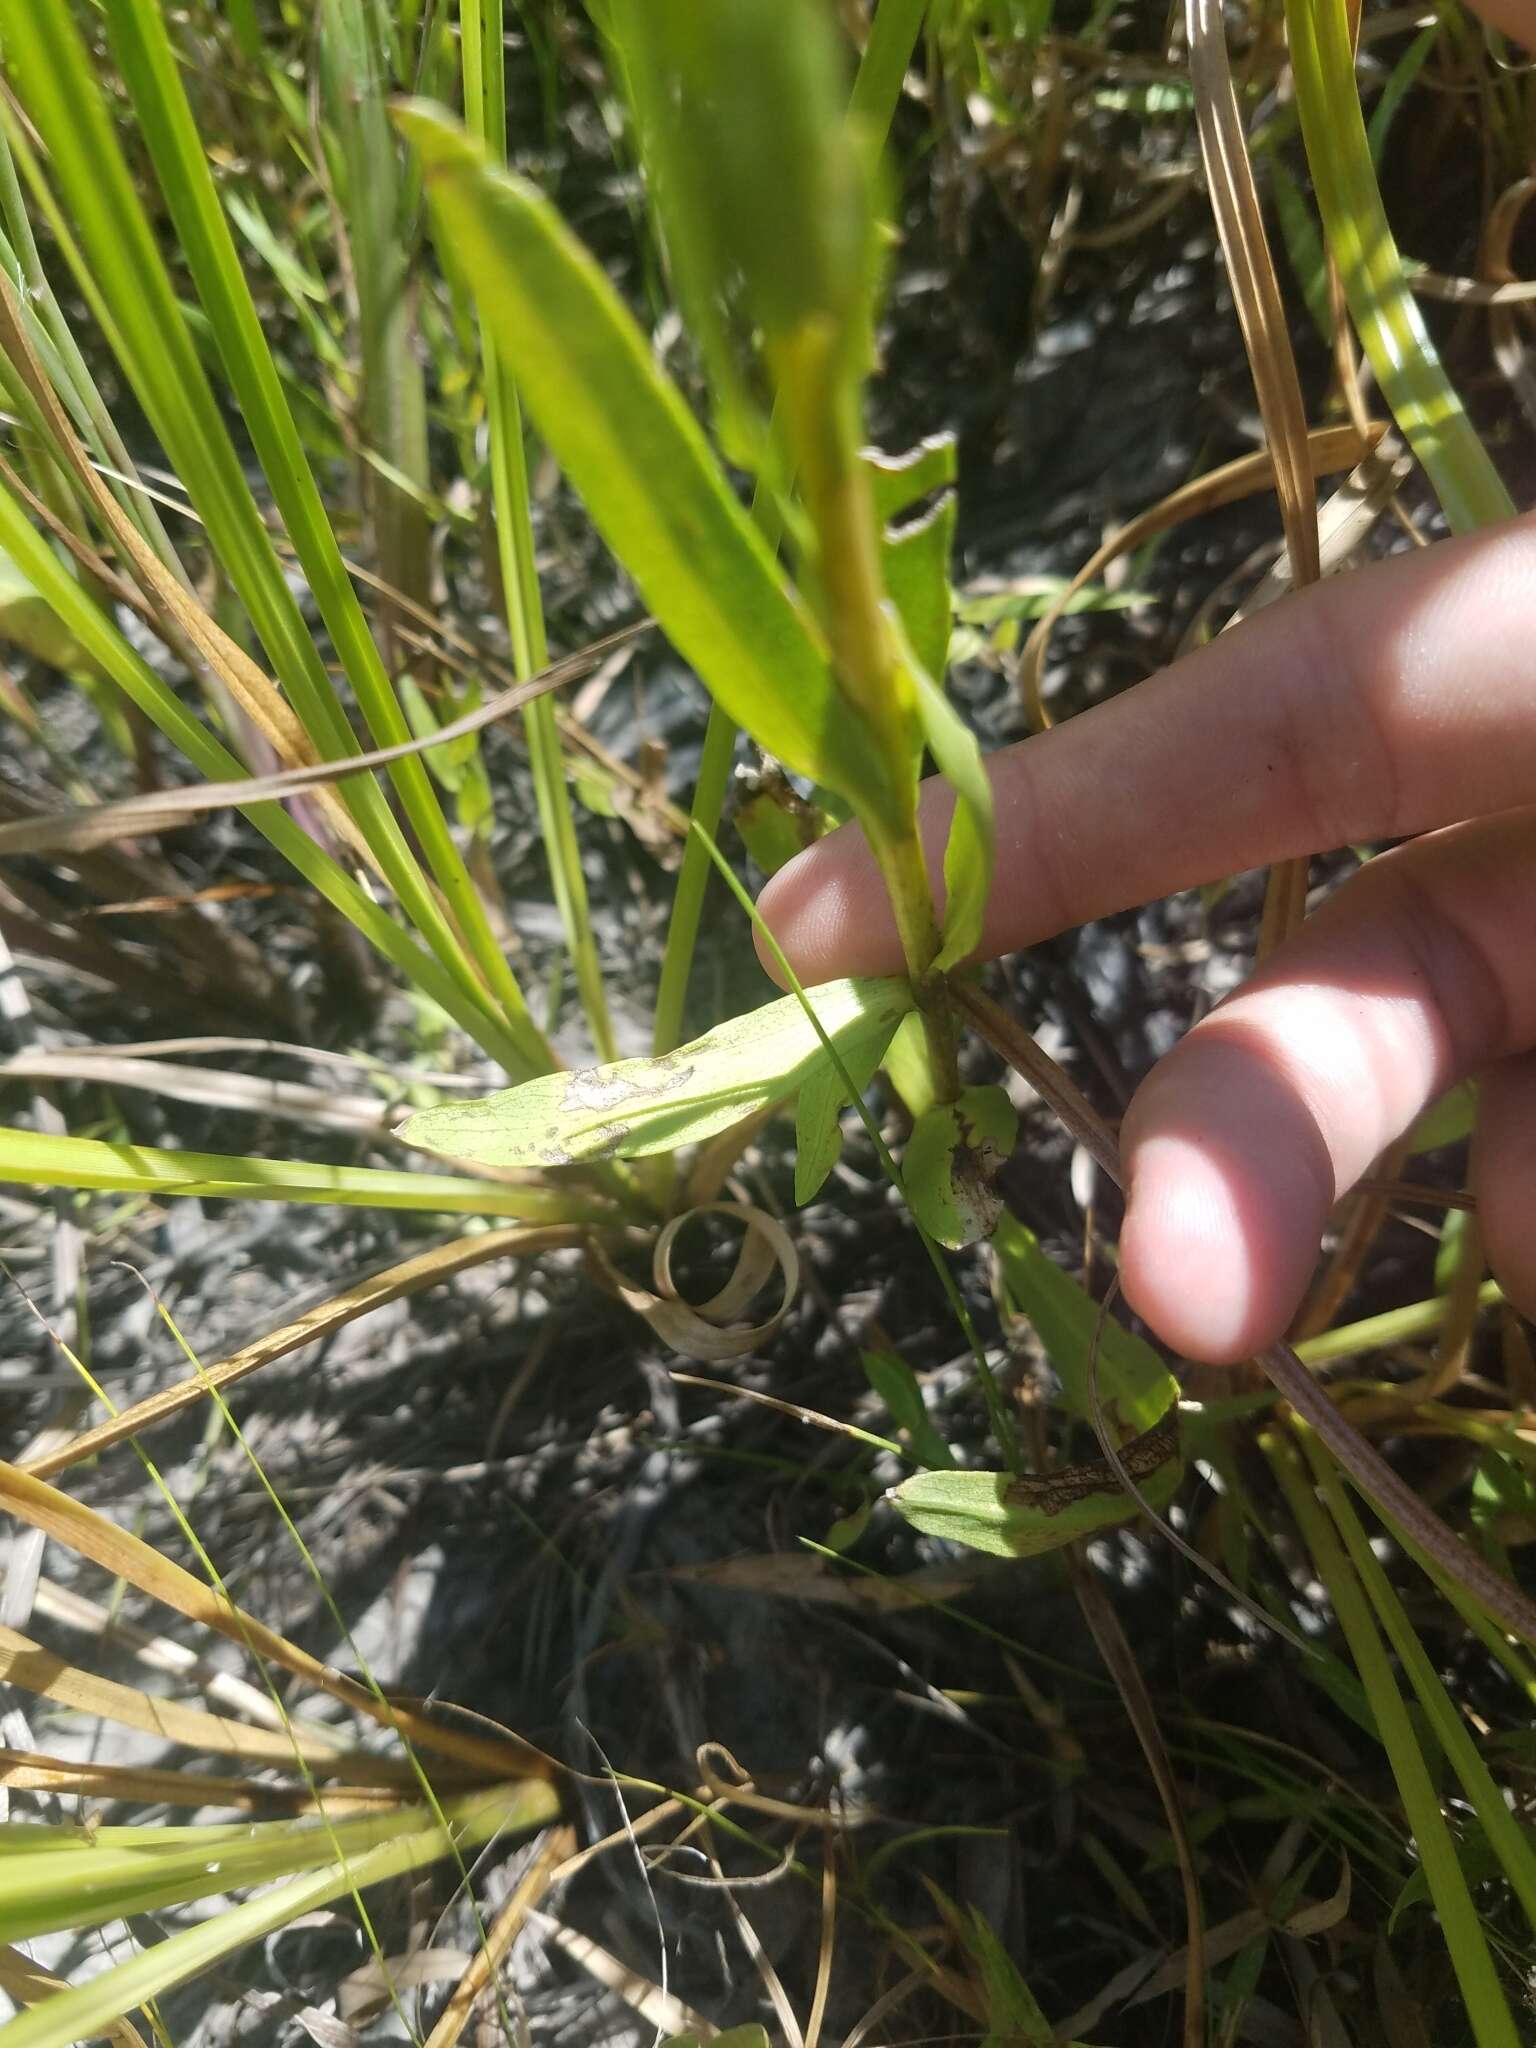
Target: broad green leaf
823,1097
896,1384
1007,1516
1135,1386
634,1108
915,550
909,1067
953,1159
39,1160
972,841
623,435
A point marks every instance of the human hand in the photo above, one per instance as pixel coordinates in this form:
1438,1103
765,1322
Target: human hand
1397,701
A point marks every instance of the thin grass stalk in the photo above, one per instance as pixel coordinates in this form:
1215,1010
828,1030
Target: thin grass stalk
1508,1839
164,708
50,63
1487,2009
876,91
1407,367
485,109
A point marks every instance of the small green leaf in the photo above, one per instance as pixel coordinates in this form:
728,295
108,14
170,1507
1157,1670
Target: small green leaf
973,831
1134,1384
915,551
823,1097
1446,1121
776,823
896,1384
633,1108
1010,1516
847,1529
953,1159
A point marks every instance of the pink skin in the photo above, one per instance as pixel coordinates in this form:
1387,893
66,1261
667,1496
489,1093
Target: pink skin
1386,704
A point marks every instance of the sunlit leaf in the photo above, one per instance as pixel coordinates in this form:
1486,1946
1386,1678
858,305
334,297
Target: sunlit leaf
896,1384
953,1159
1135,1387
1008,1516
633,1108
616,424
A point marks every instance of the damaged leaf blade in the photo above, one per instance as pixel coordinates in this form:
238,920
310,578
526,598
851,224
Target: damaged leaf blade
634,1108
954,1157
1008,1516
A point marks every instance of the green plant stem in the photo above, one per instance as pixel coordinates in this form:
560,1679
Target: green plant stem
1499,1824
1487,2008
876,91
1002,1426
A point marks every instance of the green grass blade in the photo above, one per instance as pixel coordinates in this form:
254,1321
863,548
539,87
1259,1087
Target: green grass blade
36,1159
481,38
1487,2008
101,640
1409,371
49,63
86,2009
1508,1839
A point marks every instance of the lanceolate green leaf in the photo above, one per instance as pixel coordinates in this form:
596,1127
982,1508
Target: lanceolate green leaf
38,1160
823,1097
48,62
624,436
1135,1387
972,841
637,1107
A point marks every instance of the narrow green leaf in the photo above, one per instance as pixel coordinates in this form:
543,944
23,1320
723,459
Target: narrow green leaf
1134,1384
952,1163
87,2009
897,1385
823,1097
968,856
638,1107
38,1160
617,425
1447,1120
915,548
1408,369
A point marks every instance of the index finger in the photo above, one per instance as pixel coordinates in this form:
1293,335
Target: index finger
1372,706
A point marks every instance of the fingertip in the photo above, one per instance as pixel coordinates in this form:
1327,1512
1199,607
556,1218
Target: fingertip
828,910
1228,1189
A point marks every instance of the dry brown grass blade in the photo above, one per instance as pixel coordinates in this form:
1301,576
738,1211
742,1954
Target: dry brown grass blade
1329,449
90,825
49,1676
255,693
557,1848
1266,337
24,1771
409,1277
40,1506
364,1116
